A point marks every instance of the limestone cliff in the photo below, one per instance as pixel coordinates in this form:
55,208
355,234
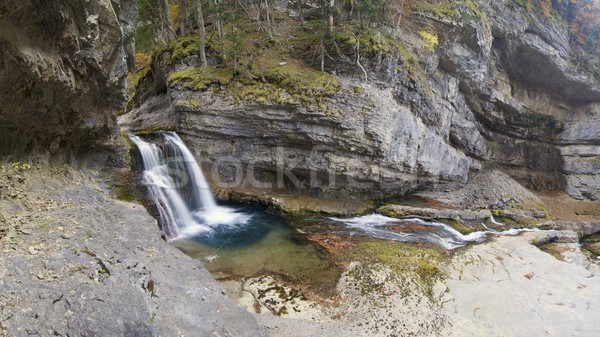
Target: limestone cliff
63,66
496,88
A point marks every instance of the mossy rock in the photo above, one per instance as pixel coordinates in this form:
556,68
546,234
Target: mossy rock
592,238
406,260
297,78
194,103
182,47
200,80
391,211
593,248
460,227
151,130
443,10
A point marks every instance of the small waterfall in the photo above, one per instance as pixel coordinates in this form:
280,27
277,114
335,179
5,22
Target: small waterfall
180,190
202,195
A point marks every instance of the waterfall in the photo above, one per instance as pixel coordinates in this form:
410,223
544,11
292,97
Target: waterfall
202,194
180,191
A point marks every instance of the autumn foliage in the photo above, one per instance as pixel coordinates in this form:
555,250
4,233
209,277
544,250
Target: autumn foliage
581,16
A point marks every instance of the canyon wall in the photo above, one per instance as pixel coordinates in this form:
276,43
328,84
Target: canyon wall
63,67
498,91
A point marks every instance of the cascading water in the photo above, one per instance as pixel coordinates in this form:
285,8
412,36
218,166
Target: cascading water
188,209
387,228
180,190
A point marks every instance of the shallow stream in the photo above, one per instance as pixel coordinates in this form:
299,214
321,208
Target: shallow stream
238,241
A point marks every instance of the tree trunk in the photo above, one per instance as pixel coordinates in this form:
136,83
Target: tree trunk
269,19
184,13
202,33
234,37
358,58
301,9
330,15
322,55
170,33
221,33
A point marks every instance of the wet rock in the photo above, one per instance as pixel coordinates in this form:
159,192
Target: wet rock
593,247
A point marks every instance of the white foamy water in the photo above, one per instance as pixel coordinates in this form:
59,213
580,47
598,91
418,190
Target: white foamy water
180,191
441,234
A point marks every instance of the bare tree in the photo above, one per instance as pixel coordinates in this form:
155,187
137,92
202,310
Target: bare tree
301,10
234,37
184,17
330,15
202,33
269,18
170,33
220,30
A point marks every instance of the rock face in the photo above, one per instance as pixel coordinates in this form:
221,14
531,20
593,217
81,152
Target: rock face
77,262
63,65
498,91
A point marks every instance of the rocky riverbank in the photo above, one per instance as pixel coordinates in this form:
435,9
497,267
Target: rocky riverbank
75,261
538,283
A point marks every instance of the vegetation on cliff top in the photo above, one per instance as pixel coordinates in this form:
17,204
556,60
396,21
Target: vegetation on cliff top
260,53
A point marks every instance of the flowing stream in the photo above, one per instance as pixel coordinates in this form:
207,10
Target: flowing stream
244,240
419,230
232,240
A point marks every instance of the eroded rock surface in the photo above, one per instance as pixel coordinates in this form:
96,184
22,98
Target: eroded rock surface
509,287
77,262
63,66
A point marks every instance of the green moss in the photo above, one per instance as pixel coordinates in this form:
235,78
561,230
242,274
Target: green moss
269,79
44,227
374,42
371,41
590,212
470,10
461,227
357,89
282,311
151,130
195,103
182,47
123,193
406,261
127,140
200,80
304,83
391,211
444,10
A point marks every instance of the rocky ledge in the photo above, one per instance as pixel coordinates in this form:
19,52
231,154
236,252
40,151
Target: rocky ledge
76,262
498,91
